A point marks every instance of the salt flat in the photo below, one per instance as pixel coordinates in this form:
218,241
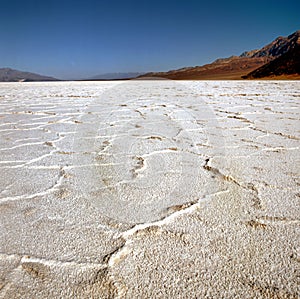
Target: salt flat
149,189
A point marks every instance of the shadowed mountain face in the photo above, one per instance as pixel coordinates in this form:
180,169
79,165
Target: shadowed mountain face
237,67
10,75
278,47
286,64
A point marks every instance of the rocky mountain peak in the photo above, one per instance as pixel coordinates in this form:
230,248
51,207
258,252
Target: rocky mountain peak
278,47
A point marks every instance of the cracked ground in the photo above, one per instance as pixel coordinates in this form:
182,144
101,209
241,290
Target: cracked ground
149,189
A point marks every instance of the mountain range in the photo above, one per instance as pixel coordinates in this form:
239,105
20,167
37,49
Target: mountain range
10,75
287,64
279,59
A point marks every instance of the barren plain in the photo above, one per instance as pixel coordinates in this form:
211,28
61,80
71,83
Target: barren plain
149,189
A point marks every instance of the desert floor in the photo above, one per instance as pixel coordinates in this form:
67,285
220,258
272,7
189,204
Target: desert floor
149,189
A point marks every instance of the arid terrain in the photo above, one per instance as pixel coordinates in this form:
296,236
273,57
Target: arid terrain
279,60
149,189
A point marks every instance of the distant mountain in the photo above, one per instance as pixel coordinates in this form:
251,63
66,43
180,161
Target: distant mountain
10,75
236,67
285,65
276,48
226,68
279,58
115,76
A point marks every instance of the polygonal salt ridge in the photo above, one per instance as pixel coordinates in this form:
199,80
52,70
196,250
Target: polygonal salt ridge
150,133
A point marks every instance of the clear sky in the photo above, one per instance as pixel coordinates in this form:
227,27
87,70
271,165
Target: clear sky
77,39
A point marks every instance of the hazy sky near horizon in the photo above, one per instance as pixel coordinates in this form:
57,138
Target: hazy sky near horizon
78,39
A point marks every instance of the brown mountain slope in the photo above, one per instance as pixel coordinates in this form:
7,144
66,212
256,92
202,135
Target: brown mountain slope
234,67
228,68
287,64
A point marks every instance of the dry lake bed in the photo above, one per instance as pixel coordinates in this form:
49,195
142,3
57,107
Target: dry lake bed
150,189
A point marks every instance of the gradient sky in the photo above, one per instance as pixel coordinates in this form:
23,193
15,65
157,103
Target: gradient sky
77,39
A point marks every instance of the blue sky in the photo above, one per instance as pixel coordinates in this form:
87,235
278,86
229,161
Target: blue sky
77,39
